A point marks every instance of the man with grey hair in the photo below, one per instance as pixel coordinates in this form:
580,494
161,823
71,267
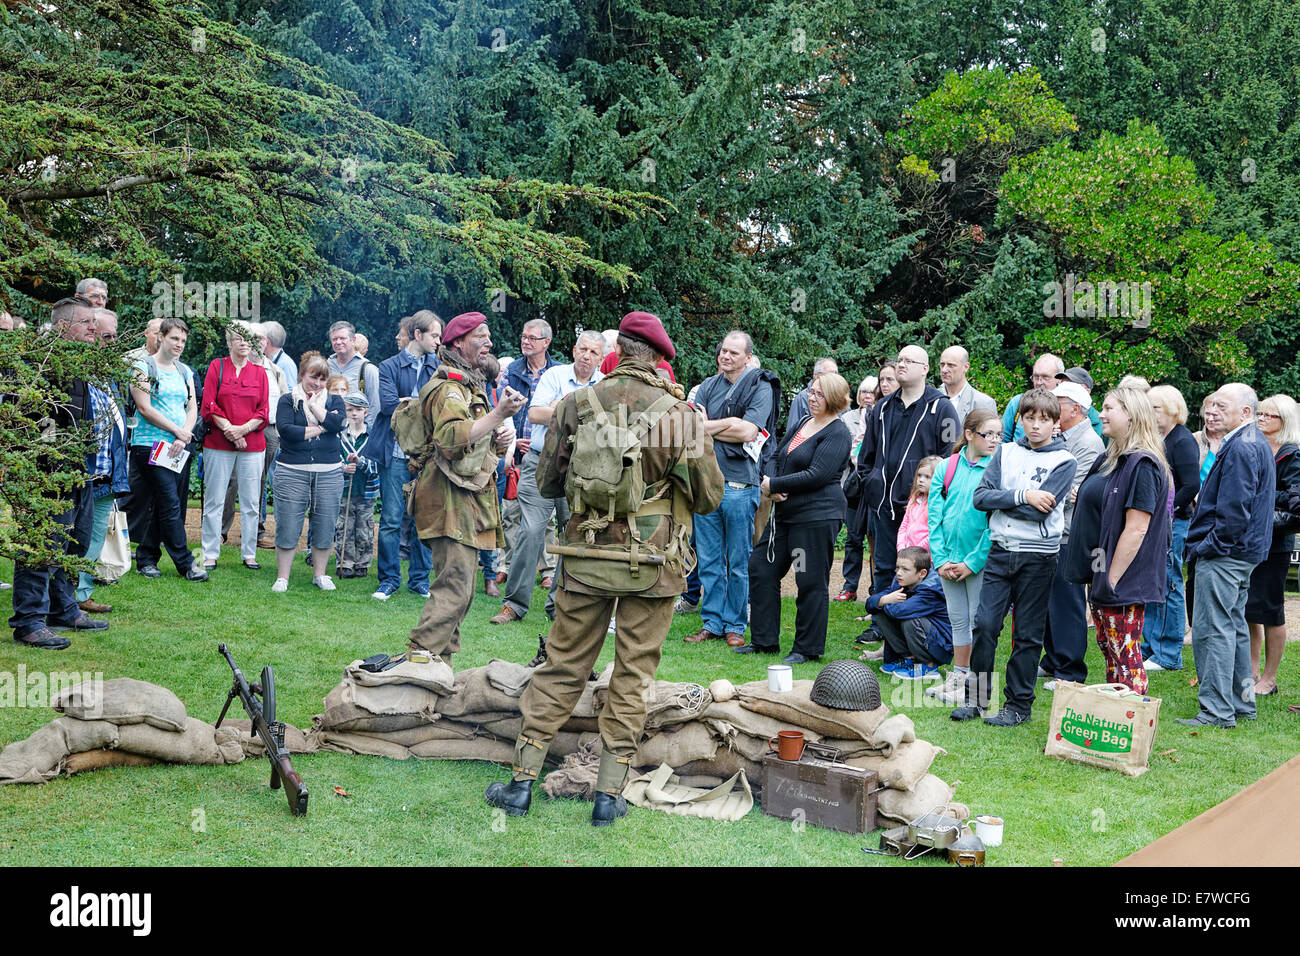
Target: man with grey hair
94,291
1044,374
799,407
535,511
522,375
275,339
1230,533
362,374
954,364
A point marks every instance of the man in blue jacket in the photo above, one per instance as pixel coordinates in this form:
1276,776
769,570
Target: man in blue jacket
911,617
1230,533
913,422
401,376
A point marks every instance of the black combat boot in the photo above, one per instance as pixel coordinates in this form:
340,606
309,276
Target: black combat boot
608,808
514,797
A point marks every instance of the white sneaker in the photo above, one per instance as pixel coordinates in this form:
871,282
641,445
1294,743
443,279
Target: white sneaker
1050,685
1151,664
1042,673
951,691
612,629
324,582
280,586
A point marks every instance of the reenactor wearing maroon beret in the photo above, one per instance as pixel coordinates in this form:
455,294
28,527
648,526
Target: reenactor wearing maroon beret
637,558
455,503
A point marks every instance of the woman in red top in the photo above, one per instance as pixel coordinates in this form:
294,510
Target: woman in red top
235,408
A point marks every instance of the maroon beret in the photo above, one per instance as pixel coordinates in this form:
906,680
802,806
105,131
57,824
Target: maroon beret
648,328
463,324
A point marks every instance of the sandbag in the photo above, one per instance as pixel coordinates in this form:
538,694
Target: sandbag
89,760
508,677
386,699
480,748
661,790
566,743
905,768
438,730
474,694
82,735
505,728
34,759
685,743
347,716
434,675
723,765
295,740
796,708
198,743
906,805
748,731
122,700
362,745
585,708
666,702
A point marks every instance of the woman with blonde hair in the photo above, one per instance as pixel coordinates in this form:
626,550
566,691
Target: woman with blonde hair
1123,515
1162,633
1279,421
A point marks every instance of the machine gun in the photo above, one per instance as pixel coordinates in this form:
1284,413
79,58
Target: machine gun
262,713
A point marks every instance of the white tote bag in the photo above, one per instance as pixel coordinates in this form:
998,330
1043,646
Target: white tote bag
115,558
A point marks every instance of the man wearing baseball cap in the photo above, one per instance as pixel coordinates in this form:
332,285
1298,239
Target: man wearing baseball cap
636,559
455,504
1065,638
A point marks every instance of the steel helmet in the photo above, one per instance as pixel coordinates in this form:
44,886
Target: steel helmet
847,685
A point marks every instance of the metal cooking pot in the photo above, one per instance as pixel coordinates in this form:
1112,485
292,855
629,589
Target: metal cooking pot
968,851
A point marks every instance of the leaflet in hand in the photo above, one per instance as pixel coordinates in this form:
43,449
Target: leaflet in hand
754,447
162,456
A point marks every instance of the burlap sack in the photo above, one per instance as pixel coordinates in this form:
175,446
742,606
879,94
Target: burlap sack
565,744
295,740
661,790
39,757
346,715
89,760
575,777
505,728
435,675
198,743
508,677
905,768
906,805
682,745
475,694
480,748
796,708
666,702
122,700
387,699
362,745
723,765
748,731
438,730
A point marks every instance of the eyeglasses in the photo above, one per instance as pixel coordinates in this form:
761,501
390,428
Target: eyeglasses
907,361
1276,418
816,393
534,338
990,436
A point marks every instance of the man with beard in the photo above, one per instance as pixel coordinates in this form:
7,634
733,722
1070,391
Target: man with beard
455,506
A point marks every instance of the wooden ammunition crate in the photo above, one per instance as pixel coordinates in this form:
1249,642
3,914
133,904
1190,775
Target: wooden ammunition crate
821,792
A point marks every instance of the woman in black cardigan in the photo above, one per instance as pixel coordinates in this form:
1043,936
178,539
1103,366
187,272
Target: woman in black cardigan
803,480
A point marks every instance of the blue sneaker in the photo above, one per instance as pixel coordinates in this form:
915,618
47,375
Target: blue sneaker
897,668
384,592
918,672
422,590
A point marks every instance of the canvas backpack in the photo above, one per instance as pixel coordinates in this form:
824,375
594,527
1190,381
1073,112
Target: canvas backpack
604,477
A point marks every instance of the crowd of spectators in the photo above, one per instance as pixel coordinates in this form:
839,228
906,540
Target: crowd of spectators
1078,510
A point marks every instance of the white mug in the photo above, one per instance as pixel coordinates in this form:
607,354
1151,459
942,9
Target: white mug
780,678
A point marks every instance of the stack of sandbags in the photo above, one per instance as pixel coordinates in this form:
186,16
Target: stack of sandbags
424,710
120,722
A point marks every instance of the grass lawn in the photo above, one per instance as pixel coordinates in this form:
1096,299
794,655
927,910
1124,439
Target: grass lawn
429,812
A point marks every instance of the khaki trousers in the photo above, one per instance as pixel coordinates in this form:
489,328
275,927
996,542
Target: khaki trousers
450,596
576,638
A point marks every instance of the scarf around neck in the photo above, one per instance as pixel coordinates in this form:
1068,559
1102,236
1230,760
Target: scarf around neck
473,374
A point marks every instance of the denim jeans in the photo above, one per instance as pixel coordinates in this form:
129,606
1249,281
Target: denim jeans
86,582
158,498
723,541
1221,639
1162,632
41,590
392,506
1022,578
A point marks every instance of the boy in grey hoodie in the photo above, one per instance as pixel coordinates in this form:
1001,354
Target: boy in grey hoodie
1024,488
